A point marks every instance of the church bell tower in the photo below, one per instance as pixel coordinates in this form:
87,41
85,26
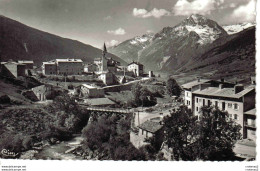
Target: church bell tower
104,59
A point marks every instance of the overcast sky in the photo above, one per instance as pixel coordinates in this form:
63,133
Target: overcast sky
113,21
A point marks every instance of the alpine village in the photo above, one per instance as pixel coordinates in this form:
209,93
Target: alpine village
185,93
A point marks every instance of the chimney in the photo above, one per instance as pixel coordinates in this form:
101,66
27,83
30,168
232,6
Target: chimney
252,79
221,86
238,88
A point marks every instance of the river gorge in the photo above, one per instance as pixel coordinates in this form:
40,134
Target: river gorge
57,151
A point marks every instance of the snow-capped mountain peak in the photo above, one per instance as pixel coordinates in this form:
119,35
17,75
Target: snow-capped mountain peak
232,29
195,19
142,39
206,30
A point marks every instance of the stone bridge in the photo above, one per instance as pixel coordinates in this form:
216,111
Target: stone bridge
96,112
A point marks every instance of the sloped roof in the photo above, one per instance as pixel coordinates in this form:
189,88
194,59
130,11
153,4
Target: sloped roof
251,112
89,86
92,86
12,62
194,83
99,101
225,92
27,62
151,126
137,63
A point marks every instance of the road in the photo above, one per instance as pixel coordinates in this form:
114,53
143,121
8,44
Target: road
244,150
144,116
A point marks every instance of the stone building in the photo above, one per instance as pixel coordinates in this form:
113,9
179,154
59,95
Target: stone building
190,87
13,69
49,68
235,99
137,68
150,129
250,124
107,69
106,64
63,67
29,64
108,78
98,62
69,66
90,68
91,91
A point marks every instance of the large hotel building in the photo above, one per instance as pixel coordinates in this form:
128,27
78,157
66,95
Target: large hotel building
237,100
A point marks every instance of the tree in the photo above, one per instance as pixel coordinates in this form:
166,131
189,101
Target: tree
218,134
108,138
178,130
136,91
68,113
147,97
142,96
172,87
212,137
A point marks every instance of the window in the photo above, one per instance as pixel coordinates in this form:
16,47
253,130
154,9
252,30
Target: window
223,106
230,115
235,117
216,103
187,102
197,109
229,105
209,102
197,100
235,106
203,102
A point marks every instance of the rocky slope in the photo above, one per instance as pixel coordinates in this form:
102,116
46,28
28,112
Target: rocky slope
129,49
231,56
19,41
196,45
174,46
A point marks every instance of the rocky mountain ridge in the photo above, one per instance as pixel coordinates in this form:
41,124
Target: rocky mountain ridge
175,49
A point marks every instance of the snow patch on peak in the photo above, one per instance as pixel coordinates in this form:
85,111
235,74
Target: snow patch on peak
232,29
197,17
207,34
141,39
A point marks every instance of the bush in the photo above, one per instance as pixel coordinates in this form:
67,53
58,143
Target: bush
205,139
70,87
173,88
5,99
108,137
